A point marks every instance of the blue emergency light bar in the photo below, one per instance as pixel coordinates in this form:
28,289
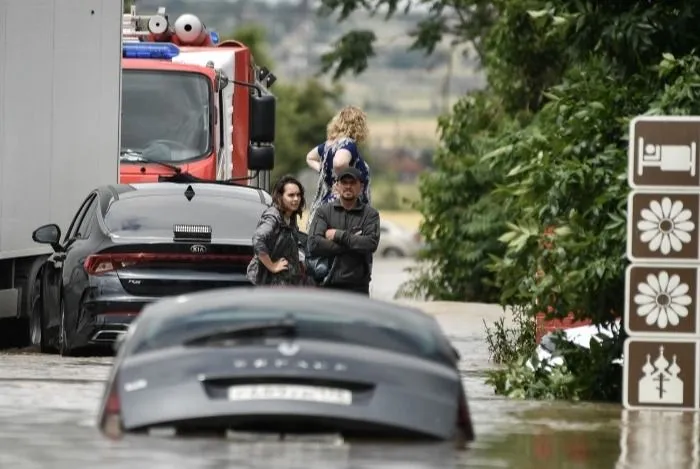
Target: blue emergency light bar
149,50
214,37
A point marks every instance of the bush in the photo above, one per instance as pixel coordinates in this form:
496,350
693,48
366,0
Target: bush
455,211
530,178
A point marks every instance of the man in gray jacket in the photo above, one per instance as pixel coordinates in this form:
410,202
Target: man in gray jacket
346,230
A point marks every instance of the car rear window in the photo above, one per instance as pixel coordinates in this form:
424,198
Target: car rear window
155,215
381,333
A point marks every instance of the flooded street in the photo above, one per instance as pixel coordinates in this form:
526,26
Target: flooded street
48,407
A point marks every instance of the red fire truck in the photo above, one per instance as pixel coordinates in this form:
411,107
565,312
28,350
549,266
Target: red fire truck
192,105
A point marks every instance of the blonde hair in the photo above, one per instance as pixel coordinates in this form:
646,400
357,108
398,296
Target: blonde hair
350,122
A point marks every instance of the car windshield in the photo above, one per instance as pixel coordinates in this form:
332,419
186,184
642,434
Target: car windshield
383,333
165,115
155,215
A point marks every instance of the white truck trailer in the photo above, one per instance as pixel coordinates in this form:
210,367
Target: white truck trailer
60,101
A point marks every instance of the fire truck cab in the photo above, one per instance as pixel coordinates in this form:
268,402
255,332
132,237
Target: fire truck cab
192,104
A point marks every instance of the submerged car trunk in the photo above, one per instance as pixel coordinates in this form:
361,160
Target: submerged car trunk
215,387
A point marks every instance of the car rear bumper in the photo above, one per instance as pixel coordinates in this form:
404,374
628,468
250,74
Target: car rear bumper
107,328
107,307
103,319
282,421
390,412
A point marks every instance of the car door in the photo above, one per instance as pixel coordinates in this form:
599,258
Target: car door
54,272
74,277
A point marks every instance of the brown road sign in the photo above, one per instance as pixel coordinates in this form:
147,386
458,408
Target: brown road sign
663,152
663,226
661,301
660,374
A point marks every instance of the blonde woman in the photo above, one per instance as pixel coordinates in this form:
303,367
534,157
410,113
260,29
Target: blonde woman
344,133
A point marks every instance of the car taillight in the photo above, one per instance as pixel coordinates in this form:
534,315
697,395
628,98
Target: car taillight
111,424
96,264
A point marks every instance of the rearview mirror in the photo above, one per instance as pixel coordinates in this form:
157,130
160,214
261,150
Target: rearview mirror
262,118
261,158
48,234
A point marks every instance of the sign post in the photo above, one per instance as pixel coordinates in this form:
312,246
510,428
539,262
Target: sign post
662,283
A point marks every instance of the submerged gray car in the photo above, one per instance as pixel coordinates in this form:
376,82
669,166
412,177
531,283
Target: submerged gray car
286,361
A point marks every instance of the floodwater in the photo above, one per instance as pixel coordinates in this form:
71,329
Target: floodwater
48,407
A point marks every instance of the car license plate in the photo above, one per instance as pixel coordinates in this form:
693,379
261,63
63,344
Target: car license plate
289,392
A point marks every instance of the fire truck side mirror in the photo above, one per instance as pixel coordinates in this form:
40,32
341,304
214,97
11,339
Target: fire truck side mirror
262,118
261,158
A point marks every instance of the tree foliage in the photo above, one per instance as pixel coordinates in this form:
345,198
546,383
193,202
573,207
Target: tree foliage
461,20
303,111
527,202
545,146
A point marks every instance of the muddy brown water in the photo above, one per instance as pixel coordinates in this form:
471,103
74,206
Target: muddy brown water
48,406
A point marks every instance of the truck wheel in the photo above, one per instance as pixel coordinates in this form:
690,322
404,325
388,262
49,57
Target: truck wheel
36,321
26,277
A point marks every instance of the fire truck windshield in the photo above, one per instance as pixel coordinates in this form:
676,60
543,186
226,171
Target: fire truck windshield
165,115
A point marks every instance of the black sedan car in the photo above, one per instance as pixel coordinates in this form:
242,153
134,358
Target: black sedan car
131,244
286,361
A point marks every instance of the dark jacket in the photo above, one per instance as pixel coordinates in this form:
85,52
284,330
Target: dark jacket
277,239
356,239
266,232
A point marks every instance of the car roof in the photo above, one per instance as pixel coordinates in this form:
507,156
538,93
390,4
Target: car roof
332,302
147,189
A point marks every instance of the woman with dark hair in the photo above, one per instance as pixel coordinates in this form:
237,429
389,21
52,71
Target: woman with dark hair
275,242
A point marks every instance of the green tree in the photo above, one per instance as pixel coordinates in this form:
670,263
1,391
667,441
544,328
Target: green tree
530,177
303,111
303,108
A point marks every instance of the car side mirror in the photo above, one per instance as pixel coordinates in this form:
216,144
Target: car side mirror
262,118
261,158
48,234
